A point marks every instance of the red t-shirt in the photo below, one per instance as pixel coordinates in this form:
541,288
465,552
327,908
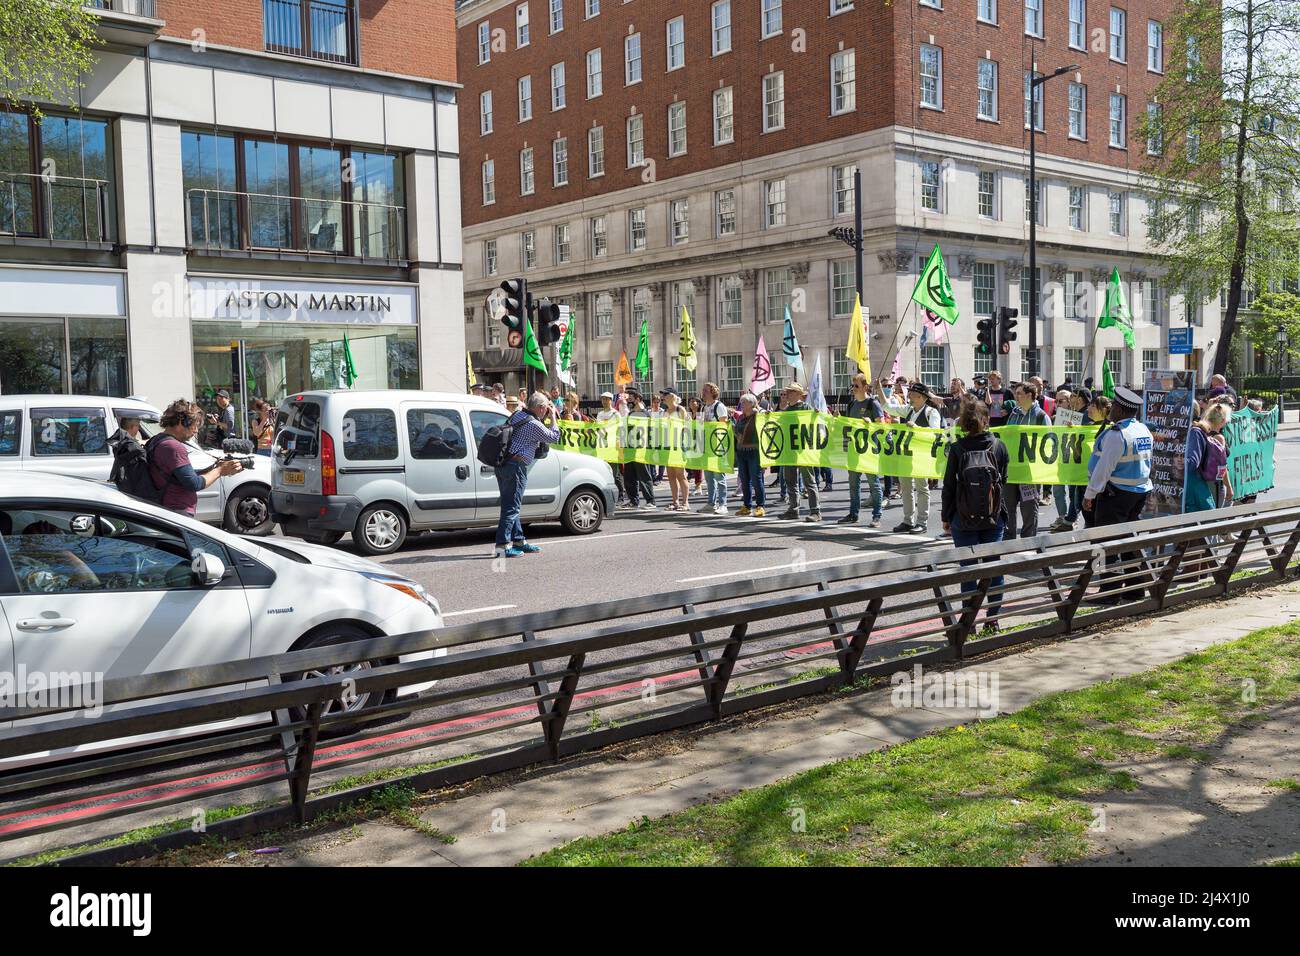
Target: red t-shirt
168,455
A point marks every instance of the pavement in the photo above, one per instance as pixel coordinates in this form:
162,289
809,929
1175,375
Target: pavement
602,793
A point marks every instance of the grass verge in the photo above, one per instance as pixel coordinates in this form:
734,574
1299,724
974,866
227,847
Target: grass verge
1001,792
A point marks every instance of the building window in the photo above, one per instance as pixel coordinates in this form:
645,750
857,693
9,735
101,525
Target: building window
841,6
1117,217
843,287
934,362
683,298
490,257
494,330
1034,17
988,194
984,287
842,371
731,374
521,25
632,59
593,8
594,75
680,214
558,87
729,308
560,162
1155,47
636,229
1078,106
1155,130
773,102
603,327
1118,132
985,362
988,90
843,197
57,181
563,248
930,186
987,11
931,76
1115,359
1026,290
526,171
774,203
596,151
1150,360
318,29
635,141
484,43
599,238
676,129
1033,101
1074,364
1037,202
725,203
1193,57
489,182
771,18
1078,28
724,129
602,373
1030,362
1075,295
777,285
1079,207
557,15
844,97
485,112
1118,28
1151,302
528,250
721,27
525,98
676,30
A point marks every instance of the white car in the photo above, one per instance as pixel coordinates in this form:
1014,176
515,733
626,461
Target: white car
95,583
68,435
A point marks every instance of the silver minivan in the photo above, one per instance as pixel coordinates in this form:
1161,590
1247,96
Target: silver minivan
379,464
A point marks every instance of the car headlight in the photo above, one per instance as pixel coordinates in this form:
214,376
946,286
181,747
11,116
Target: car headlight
412,589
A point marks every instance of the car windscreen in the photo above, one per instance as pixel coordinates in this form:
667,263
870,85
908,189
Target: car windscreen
299,433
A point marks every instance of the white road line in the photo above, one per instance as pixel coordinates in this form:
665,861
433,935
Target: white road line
480,610
855,556
604,537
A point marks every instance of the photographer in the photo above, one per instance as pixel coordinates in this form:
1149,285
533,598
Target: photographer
223,422
529,431
169,459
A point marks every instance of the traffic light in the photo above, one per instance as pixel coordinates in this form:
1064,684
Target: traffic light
984,337
516,304
548,323
1006,328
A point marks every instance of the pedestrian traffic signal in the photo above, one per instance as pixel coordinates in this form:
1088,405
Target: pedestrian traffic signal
516,304
1006,328
548,323
984,337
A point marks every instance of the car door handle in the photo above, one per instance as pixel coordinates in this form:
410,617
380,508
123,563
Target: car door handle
486,470
45,623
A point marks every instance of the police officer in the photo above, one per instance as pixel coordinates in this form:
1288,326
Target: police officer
1119,472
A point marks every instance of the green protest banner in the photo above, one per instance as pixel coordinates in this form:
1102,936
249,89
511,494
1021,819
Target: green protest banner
1252,443
599,439
676,443
1040,455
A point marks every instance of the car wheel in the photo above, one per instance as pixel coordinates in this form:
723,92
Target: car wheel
248,511
583,512
341,633
381,529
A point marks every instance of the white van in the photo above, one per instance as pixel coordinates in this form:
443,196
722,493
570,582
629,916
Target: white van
379,464
68,435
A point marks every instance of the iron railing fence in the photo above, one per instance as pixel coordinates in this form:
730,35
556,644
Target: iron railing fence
135,8
57,208
537,687
318,29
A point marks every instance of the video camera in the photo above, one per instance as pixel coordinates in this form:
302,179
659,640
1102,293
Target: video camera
236,449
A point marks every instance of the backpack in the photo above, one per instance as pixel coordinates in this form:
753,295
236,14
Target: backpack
979,490
494,446
132,472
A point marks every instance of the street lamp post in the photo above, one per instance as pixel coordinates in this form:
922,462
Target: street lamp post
852,236
1034,85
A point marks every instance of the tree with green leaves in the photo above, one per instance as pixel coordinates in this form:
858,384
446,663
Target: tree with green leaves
1223,152
1274,312
45,47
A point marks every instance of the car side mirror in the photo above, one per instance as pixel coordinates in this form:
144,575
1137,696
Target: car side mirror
208,569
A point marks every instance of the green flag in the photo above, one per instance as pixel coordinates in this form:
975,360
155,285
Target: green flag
1115,311
349,366
564,360
1107,380
532,351
643,351
933,291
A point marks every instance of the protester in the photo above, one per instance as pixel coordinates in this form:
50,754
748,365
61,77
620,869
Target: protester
750,472
1219,386
973,508
169,459
637,480
609,410
1119,471
677,487
263,427
1207,460
1023,499
792,400
1067,512
695,409
996,397
532,427
498,393
863,405
920,412
715,482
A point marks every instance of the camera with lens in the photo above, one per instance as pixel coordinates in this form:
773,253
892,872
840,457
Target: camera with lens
236,449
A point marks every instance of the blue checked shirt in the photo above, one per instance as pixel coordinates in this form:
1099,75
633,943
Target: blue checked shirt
528,434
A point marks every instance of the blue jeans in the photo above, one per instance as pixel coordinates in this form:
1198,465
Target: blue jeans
715,483
966,539
512,479
752,491
1067,504
855,493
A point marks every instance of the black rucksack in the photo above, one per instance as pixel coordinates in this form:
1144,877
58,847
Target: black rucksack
494,446
131,472
979,490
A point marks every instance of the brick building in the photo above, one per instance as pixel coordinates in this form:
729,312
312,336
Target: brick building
630,158
265,178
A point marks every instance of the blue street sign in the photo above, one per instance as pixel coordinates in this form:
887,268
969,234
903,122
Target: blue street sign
1180,341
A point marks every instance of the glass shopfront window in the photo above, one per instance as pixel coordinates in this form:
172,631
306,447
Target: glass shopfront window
52,356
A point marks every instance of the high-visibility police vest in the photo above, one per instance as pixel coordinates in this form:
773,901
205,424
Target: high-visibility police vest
1133,469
